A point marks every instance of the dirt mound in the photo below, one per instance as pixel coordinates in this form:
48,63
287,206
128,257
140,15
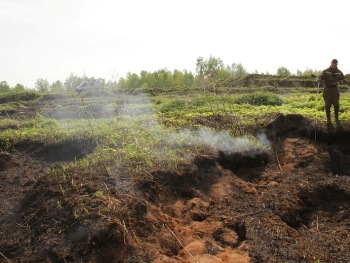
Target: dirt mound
23,96
285,205
58,152
288,125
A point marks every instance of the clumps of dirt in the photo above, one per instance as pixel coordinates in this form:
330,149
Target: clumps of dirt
291,124
199,173
340,162
232,232
329,202
296,128
296,152
5,160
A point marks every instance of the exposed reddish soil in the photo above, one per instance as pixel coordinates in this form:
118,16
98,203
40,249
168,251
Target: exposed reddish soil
291,204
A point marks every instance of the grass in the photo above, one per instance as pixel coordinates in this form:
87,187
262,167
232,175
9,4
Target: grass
144,133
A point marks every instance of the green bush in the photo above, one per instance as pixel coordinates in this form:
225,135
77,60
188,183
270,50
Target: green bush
259,98
21,96
343,87
174,105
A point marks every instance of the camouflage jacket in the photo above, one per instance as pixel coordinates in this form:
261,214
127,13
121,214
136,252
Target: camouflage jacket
332,77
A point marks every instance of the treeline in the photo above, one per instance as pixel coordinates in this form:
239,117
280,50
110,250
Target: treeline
209,72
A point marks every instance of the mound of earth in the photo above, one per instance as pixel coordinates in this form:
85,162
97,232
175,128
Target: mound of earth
288,204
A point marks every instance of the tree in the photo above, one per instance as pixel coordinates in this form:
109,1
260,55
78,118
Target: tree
208,70
121,84
164,78
19,88
57,87
4,87
178,78
311,72
144,78
152,80
73,81
42,85
132,81
299,72
282,71
188,78
237,70
224,74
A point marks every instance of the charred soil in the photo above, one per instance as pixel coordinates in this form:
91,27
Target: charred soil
291,204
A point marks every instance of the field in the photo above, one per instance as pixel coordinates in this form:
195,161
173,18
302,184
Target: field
180,176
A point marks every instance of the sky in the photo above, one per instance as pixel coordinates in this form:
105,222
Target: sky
51,39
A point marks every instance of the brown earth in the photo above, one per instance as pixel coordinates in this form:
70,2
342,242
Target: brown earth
291,204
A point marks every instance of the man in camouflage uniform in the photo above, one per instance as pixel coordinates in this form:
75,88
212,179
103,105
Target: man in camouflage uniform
331,78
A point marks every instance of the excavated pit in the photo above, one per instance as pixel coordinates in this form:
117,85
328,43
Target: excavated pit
337,140
328,202
237,160
66,151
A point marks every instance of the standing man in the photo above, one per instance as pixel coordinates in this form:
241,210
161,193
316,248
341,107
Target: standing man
331,78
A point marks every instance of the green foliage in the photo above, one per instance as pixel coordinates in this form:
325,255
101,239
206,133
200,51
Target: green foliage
155,81
20,96
19,88
73,81
283,71
309,72
210,67
132,82
259,98
172,106
343,88
99,194
9,124
57,87
4,87
210,71
237,70
42,85
146,133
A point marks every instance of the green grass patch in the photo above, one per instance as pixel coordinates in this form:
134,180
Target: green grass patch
138,133
259,98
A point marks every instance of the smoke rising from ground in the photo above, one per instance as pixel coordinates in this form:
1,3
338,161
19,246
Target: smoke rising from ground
136,114
223,141
140,105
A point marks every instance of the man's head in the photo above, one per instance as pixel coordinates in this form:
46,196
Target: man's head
334,63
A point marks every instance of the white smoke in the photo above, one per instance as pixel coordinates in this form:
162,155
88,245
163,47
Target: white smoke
223,141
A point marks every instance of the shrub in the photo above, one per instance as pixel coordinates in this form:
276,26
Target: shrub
259,98
174,105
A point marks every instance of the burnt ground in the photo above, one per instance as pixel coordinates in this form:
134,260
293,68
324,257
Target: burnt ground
291,204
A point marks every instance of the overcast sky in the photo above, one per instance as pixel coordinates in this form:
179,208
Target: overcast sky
106,39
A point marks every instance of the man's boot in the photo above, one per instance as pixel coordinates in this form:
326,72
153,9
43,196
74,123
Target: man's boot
336,114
